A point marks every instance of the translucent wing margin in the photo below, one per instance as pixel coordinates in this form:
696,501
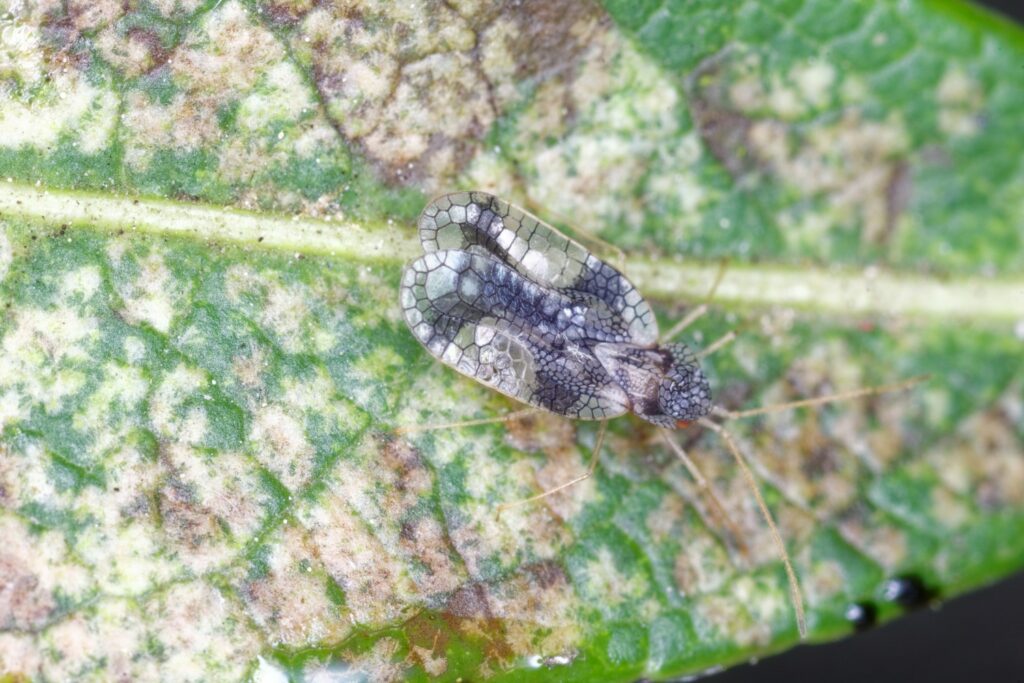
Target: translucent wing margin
438,296
481,223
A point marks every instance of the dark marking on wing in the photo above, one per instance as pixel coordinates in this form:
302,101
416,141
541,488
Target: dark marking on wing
486,320
481,223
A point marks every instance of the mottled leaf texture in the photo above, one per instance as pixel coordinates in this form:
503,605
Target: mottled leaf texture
207,388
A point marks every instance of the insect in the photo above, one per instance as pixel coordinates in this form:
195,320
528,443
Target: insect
508,300
513,303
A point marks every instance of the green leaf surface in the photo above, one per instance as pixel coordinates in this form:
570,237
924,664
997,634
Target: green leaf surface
204,375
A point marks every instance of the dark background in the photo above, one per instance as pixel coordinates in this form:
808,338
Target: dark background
976,637
1011,8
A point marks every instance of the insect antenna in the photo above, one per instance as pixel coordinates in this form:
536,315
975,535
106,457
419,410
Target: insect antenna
598,443
794,584
699,310
820,400
688,319
410,429
705,488
726,338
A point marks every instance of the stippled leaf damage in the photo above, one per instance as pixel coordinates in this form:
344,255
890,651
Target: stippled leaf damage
204,209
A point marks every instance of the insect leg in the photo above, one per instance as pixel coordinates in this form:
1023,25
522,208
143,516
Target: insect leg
794,584
410,429
690,318
726,338
698,311
820,400
598,443
705,489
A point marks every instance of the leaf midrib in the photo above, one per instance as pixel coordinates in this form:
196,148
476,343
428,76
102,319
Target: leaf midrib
833,291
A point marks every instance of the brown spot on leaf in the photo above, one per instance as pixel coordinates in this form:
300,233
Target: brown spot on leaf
529,613
89,15
432,662
387,484
381,662
404,461
62,27
837,454
157,53
722,126
290,603
286,13
541,432
283,445
427,540
378,589
429,635
552,36
186,523
412,85
205,508
24,605
8,477
546,574
875,536
984,460
538,607
725,132
897,196
858,165
200,629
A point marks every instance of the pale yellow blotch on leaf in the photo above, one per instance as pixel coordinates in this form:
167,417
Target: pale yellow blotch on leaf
122,386
608,586
83,282
285,313
702,565
815,80
6,253
33,352
960,99
279,440
152,297
174,389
